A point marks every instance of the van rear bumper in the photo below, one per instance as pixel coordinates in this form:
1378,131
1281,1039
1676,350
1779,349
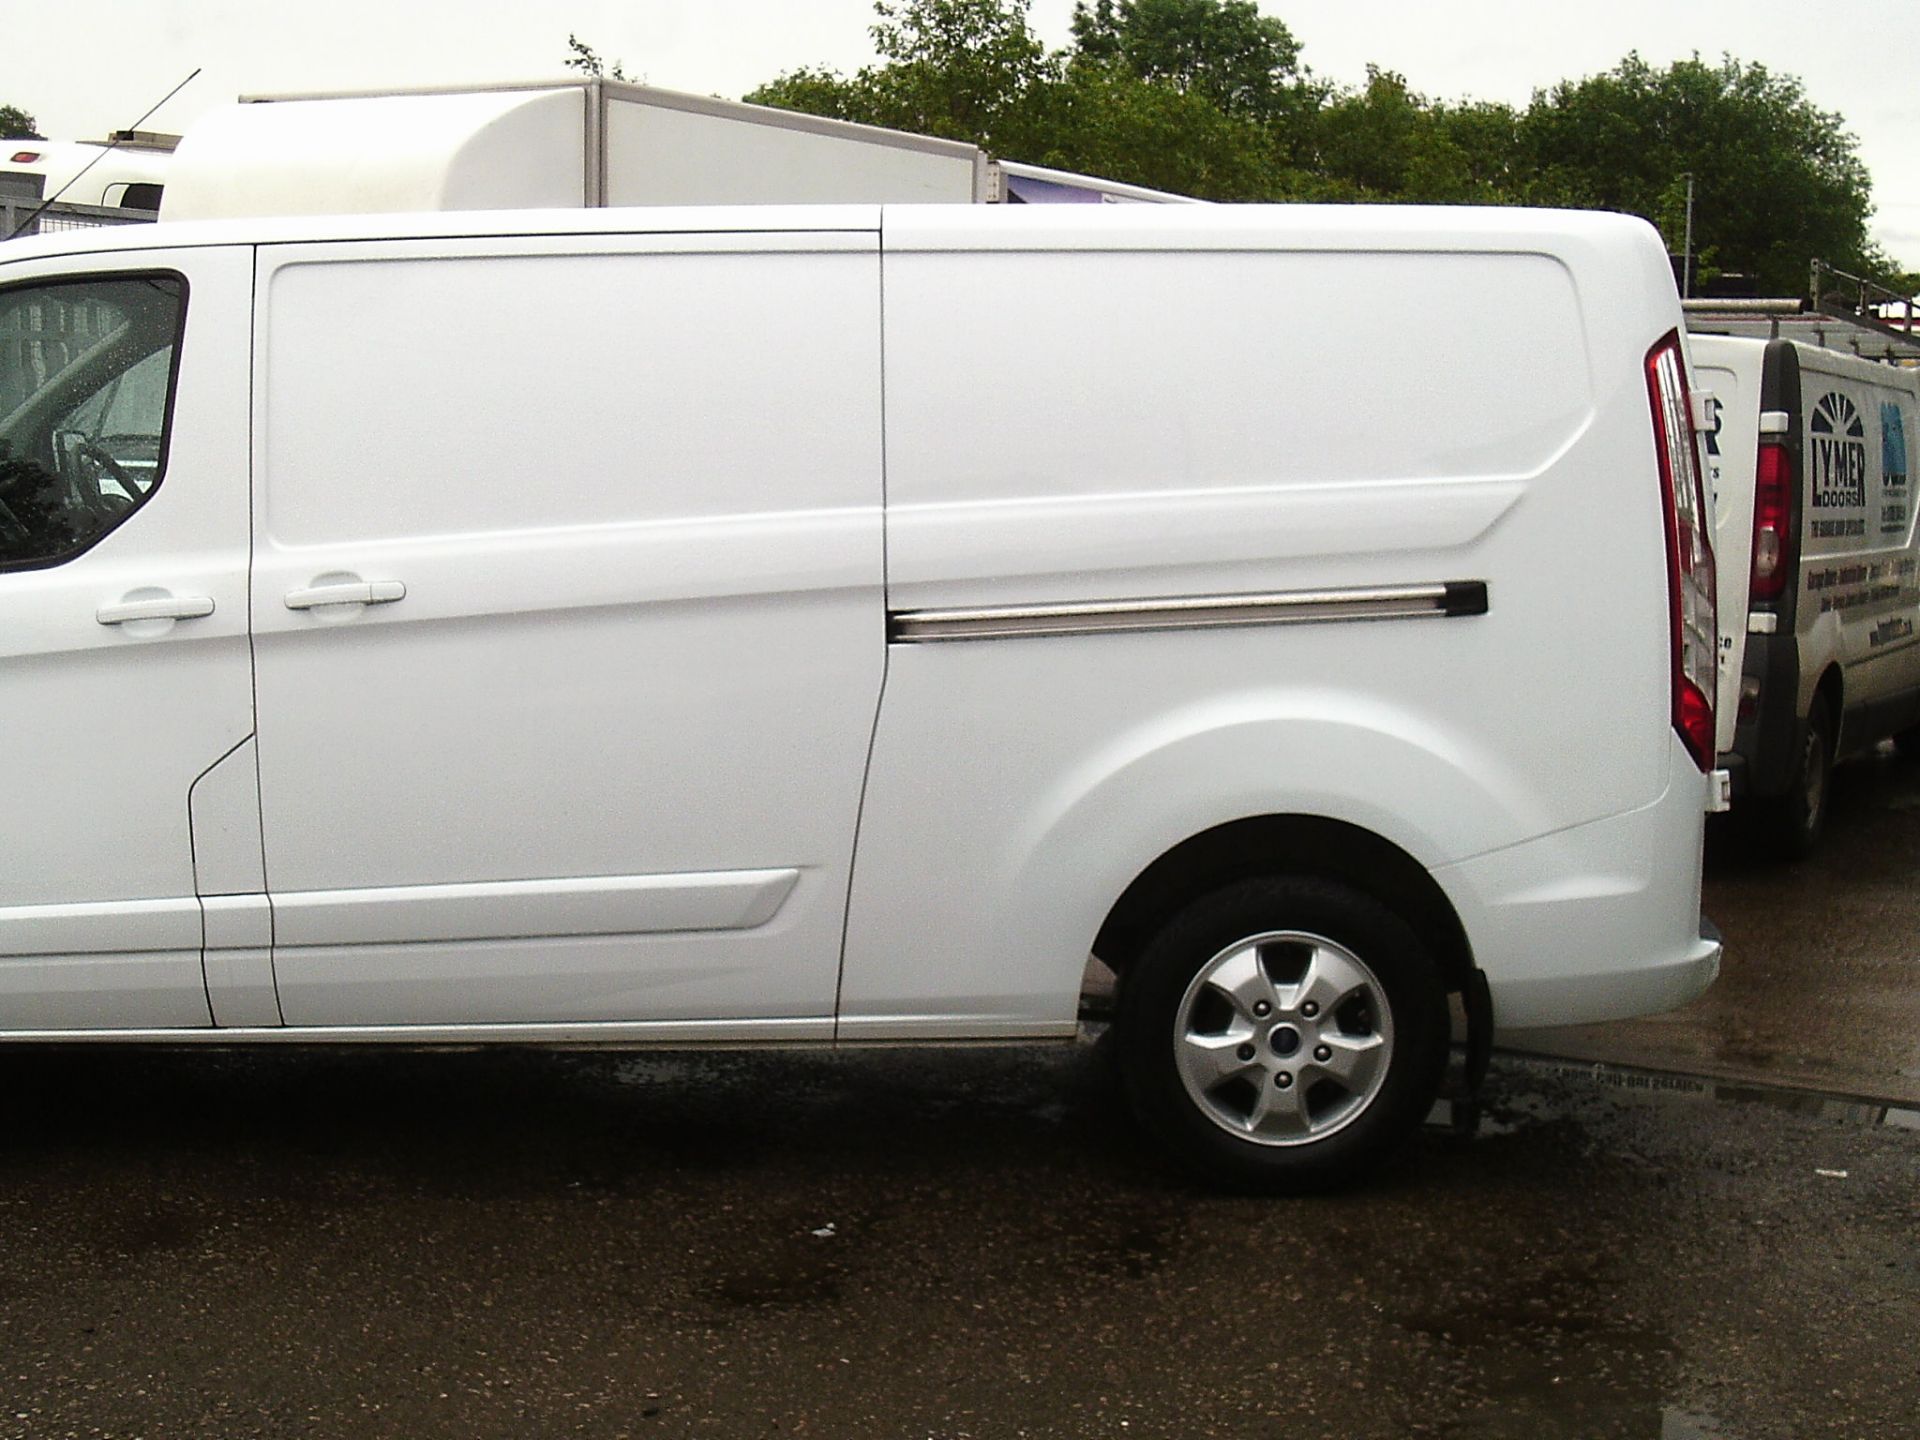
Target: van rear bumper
1665,984
1599,922
1766,740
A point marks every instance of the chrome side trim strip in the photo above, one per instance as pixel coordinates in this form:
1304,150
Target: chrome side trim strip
1191,612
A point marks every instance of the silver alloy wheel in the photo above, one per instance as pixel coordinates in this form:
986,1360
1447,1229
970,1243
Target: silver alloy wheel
1283,1038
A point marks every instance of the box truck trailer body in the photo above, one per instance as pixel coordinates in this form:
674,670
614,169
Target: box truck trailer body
585,143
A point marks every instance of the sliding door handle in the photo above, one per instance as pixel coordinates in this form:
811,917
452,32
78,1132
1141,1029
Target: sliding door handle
346,592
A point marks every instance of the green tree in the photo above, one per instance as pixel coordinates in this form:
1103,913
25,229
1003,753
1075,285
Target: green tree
1245,63
587,61
1777,181
968,70
1101,120
17,124
814,91
1386,142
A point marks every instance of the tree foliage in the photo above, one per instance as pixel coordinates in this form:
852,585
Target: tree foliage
1211,98
1777,181
17,124
959,69
1225,51
584,58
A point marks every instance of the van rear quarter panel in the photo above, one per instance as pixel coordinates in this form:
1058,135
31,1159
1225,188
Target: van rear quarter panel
1281,402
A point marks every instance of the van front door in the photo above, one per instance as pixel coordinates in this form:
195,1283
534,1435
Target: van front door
568,625
124,667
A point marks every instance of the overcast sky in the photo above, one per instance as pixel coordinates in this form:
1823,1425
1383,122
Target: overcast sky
84,67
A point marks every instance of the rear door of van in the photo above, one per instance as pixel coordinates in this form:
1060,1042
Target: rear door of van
569,624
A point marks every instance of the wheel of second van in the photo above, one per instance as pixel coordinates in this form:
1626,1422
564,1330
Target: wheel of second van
1283,1033
1791,823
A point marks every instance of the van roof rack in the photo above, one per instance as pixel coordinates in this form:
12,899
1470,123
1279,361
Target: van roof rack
1843,312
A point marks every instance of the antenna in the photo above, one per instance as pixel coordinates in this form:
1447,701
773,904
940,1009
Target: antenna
118,136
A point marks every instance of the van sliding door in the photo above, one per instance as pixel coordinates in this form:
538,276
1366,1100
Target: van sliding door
569,625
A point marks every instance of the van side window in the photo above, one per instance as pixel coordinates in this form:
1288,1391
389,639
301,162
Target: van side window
86,386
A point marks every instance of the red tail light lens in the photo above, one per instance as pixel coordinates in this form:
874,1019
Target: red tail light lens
1690,584
1772,522
25,157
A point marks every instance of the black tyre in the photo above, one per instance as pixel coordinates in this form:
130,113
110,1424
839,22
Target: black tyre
1282,1034
1790,825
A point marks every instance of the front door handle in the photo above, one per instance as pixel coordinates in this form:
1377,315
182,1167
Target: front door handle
347,592
154,607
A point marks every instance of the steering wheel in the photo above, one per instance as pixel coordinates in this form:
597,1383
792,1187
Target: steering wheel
104,462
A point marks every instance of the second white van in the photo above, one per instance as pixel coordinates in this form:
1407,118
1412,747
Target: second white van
1811,460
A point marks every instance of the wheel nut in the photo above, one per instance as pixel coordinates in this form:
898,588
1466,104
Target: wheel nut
1310,1009
1262,1008
1322,1053
1283,1079
1245,1052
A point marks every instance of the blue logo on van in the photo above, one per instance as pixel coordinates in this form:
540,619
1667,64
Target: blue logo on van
1894,510
1838,453
1893,446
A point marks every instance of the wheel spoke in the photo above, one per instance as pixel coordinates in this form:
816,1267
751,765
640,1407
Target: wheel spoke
1241,980
1278,1114
1356,1060
1329,979
1212,1060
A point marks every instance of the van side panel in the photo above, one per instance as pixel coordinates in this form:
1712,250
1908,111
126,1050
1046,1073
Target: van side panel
1084,427
1858,589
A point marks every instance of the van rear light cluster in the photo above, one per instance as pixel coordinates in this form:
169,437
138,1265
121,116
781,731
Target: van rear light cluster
1772,522
1690,586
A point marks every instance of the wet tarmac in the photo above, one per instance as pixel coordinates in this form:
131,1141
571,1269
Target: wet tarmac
1714,1234
891,1244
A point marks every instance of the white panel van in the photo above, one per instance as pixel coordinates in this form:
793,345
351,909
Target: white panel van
1811,459
837,626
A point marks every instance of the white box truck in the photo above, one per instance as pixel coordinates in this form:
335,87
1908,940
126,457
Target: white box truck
1811,454
574,143
604,626
47,185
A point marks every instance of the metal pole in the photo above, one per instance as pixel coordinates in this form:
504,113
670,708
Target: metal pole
1686,253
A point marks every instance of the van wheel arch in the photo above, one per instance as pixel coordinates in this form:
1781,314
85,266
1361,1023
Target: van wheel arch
1302,845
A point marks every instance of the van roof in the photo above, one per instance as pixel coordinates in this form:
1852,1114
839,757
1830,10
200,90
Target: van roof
928,227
